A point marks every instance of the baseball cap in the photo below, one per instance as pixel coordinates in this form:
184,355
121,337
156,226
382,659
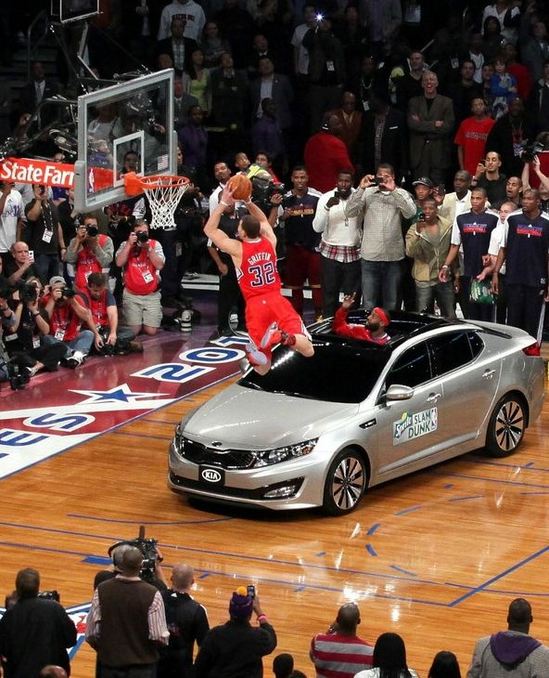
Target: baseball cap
425,181
57,280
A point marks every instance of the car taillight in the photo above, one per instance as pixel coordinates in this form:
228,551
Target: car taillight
532,350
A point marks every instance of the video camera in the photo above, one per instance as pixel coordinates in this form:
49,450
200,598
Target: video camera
149,551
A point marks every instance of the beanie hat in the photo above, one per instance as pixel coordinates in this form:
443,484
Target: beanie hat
241,604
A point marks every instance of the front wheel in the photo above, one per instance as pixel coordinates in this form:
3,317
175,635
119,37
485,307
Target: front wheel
506,427
345,483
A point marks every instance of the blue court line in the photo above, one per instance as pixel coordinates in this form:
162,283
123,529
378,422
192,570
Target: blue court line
401,569
487,480
97,560
497,577
499,592
472,496
162,421
371,550
448,486
373,529
149,436
411,509
545,493
530,466
202,521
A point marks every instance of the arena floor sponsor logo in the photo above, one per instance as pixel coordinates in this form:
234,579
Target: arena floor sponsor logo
60,410
415,425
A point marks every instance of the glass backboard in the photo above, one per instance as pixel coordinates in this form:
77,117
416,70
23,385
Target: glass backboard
74,10
125,127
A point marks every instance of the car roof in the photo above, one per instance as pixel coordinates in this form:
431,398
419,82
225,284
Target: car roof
403,326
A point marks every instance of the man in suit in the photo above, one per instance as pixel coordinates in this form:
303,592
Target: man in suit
275,86
177,46
351,122
431,123
384,137
33,93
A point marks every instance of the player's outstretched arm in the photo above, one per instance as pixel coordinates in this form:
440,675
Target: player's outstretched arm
211,229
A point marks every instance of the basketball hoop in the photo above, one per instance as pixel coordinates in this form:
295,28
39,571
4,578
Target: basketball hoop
164,191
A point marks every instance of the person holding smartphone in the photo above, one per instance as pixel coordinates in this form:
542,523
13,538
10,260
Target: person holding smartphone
44,233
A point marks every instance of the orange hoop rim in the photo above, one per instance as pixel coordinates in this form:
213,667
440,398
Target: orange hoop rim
135,184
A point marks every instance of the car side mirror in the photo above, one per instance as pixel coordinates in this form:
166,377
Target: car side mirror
399,392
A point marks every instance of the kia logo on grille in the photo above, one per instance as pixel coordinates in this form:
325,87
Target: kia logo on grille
217,443
210,475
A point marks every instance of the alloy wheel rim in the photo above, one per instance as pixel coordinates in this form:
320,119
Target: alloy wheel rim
348,483
509,425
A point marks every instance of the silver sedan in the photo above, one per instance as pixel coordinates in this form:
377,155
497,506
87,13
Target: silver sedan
319,431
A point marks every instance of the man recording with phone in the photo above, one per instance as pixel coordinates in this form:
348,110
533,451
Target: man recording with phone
89,251
44,234
236,648
142,259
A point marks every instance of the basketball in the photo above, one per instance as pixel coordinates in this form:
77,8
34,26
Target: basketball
240,186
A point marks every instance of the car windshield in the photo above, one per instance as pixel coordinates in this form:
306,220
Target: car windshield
338,372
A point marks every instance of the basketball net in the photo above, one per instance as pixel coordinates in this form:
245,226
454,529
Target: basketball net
163,191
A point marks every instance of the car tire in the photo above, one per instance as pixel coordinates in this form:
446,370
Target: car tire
507,426
346,483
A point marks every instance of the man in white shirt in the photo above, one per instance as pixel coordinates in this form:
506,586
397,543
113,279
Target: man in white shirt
222,174
459,201
11,217
190,11
340,244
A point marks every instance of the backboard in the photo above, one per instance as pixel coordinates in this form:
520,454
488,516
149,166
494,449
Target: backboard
125,127
73,10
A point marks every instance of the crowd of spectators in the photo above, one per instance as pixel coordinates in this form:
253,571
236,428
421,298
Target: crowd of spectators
142,627
365,109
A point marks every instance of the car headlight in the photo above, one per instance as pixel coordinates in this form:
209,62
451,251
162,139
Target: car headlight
269,457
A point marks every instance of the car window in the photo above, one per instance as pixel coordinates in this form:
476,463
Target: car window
337,372
452,350
476,343
411,369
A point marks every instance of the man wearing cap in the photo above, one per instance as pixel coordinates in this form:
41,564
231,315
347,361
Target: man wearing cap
382,205
373,329
423,189
236,648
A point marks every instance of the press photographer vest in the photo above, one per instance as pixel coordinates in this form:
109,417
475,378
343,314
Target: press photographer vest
140,275
87,263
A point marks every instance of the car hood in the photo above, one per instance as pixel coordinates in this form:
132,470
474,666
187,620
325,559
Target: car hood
248,419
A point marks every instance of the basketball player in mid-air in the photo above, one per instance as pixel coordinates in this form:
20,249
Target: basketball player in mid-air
270,318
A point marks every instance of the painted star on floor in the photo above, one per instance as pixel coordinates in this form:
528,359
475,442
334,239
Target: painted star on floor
121,394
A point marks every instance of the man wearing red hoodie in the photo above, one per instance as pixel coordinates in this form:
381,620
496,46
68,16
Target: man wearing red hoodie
326,155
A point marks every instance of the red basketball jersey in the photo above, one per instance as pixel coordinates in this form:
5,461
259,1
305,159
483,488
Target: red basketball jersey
258,273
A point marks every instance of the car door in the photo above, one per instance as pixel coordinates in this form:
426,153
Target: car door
407,431
471,376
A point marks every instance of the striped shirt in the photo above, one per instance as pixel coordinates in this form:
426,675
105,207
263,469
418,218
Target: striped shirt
339,656
341,253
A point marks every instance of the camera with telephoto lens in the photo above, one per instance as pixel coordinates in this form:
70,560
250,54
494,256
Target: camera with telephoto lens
142,237
17,375
92,231
68,293
149,551
27,293
530,151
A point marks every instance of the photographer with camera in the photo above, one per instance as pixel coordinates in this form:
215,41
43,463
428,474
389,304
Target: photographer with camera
142,259
66,314
236,648
24,338
101,304
36,631
89,251
127,623
44,234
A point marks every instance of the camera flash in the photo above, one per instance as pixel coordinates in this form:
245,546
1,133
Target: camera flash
319,17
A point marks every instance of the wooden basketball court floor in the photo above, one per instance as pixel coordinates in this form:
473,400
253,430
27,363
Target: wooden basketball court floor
436,556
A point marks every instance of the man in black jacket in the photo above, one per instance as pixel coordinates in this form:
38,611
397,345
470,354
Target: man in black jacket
187,622
235,649
34,632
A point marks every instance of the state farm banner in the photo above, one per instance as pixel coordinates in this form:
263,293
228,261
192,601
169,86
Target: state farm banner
32,171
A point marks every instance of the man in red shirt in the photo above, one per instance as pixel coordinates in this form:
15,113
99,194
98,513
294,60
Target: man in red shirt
373,330
89,251
326,155
270,318
142,259
471,136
